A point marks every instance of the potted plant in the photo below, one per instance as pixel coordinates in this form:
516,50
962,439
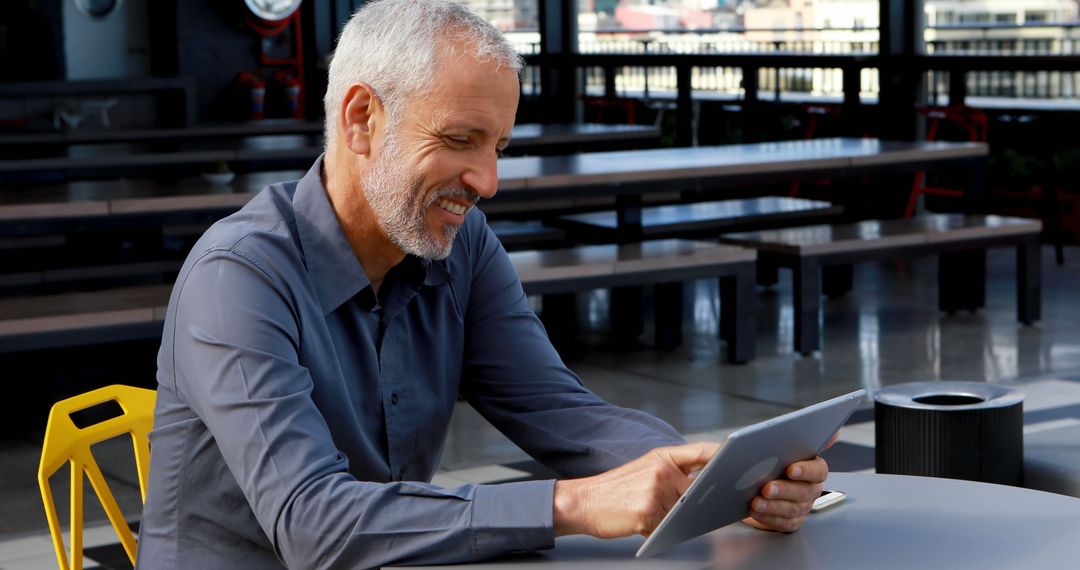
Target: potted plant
219,174
1066,184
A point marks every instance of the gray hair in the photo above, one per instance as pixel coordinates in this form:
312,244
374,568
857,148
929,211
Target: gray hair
394,46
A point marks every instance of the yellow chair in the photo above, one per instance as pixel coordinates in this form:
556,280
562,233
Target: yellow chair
66,443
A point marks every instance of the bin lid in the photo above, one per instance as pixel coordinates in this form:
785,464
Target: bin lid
948,396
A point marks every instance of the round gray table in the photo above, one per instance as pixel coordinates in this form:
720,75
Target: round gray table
887,521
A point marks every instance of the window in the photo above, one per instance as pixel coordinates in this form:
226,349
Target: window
726,27
508,15
518,19
699,26
1032,17
974,18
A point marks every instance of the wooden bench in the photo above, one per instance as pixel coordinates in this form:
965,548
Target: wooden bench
94,273
703,219
664,263
126,313
959,241
264,153
55,267
516,235
76,319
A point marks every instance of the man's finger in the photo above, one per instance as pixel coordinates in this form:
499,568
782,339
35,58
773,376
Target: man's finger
797,491
780,507
813,470
691,456
781,524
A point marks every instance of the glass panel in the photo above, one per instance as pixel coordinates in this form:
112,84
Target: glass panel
726,27
520,21
1006,28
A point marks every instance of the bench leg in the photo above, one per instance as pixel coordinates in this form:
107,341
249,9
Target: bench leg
806,288
668,313
962,280
738,314
628,218
975,196
767,273
836,280
558,313
1029,281
627,318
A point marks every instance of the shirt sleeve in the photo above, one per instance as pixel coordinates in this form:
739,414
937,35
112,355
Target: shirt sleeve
514,377
237,366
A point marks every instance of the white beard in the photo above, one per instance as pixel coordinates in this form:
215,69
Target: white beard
394,196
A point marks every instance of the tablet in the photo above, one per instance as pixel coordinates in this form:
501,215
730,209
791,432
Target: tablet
749,458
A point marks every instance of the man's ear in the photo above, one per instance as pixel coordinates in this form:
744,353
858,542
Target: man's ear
361,113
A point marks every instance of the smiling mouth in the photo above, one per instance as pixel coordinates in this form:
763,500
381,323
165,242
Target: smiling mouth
453,207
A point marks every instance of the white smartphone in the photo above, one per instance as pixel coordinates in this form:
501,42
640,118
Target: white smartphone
828,498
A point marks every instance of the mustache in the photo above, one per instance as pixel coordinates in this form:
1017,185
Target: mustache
455,193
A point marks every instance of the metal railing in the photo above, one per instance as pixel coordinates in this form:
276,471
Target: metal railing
811,82
1007,40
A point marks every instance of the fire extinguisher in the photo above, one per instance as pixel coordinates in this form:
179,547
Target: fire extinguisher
256,90
291,87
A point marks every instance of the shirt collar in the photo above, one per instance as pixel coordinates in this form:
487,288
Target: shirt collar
335,271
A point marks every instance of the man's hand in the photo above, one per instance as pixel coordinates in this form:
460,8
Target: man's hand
783,504
631,499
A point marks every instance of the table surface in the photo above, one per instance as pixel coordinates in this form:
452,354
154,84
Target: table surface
302,137
520,179
788,157
887,522
925,229
535,134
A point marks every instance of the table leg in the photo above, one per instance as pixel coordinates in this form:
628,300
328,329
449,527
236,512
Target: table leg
1029,281
738,314
836,280
975,197
962,280
558,313
627,318
668,313
628,218
767,273
806,288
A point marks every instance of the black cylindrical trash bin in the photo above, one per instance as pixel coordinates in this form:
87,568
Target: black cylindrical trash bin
958,430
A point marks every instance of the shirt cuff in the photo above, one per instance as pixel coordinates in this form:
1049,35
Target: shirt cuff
513,516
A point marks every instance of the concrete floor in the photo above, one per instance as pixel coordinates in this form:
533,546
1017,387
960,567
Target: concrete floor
886,331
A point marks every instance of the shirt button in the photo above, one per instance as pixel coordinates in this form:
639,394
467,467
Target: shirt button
393,399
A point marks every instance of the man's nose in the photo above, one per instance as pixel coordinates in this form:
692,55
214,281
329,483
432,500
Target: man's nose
482,176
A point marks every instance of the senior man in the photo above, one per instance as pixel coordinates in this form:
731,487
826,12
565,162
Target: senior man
317,340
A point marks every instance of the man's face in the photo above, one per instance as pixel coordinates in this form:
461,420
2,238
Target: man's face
439,159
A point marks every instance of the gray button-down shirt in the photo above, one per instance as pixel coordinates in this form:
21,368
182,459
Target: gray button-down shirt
299,417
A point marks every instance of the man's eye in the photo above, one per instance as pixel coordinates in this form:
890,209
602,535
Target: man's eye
459,140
